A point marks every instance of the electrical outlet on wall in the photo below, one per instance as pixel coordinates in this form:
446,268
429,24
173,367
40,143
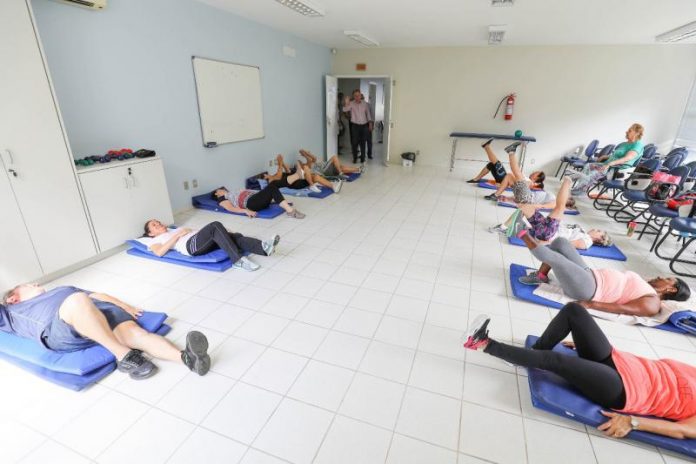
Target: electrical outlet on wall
185,185
194,183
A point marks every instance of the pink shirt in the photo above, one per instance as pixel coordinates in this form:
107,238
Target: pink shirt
619,286
662,388
359,112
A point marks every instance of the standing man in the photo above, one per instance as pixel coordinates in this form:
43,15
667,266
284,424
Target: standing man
360,123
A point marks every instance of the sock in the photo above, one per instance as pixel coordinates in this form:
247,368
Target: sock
541,275
522,233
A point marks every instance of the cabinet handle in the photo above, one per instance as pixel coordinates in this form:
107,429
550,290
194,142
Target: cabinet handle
13,172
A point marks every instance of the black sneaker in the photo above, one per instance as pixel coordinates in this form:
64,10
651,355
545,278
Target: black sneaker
472,181
486,143
477,335
491,197
195,356
136,365
512,148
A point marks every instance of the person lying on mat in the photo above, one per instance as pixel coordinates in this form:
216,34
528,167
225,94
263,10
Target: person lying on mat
308,179
546,228
69,319
622,383
159,240
609,290
250,202
331,167
625,155
521,185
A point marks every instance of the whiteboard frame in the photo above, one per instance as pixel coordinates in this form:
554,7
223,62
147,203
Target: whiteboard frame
198,103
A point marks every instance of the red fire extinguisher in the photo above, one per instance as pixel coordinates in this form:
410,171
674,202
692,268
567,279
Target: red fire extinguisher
509,106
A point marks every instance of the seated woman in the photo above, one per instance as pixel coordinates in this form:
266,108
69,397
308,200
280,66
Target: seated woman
613,379
521,185
159,240
609,290
250,202
69,319
546,228
625,155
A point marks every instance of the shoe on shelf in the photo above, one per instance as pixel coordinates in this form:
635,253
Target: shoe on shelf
533,279
498,228
195,355
512,148
314,188
337,186
296,214
486,143
137,366
269,246
477,334
246,264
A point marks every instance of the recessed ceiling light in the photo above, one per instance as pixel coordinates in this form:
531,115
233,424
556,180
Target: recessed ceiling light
361,38
304,7
676,35
502,2
496,34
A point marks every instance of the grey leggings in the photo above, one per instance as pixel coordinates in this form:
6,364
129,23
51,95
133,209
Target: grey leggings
575,277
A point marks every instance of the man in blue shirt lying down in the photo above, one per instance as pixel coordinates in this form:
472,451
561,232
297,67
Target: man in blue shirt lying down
69,319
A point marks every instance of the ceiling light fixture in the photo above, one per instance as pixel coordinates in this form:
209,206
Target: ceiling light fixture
361,38
677,35
502,2
304,7
496,34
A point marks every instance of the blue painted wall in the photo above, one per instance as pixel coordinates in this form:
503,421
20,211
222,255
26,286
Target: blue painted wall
123,77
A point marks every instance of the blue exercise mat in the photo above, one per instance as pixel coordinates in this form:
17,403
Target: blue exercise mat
71,381
217,266
215,256
526,293
205,202
303,192
553,394
352,176
486,185
685,320
571,212
79,362
595,251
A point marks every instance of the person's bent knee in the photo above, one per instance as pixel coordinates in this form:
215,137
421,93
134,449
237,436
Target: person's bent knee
217,225
574,309
73,305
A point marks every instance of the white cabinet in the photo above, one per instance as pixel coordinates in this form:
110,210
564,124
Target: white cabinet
35,158
122,196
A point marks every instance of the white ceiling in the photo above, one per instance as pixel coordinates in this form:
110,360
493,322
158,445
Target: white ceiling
410,23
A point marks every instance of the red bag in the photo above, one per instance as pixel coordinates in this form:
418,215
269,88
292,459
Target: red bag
674,203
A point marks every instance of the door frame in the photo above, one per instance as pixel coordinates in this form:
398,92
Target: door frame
388,122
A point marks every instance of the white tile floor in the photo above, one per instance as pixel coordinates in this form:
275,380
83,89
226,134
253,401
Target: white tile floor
344,348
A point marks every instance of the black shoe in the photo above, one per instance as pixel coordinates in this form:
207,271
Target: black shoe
486,143
362,160
369,156
491,197
472,181
512,148
136,365
355,160
195,356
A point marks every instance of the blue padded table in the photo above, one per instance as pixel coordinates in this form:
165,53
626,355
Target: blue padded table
455,136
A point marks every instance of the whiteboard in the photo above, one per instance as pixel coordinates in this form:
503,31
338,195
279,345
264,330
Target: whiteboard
229,101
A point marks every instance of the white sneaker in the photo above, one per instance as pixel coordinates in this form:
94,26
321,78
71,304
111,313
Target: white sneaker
497,229
269,246
246,264
337,186
314,188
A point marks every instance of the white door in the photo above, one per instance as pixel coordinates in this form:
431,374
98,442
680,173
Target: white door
331,116
387,116
45,186
19,263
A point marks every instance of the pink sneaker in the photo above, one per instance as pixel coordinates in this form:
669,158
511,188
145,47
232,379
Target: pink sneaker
477,335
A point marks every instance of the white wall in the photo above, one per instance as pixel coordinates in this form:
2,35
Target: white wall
566,95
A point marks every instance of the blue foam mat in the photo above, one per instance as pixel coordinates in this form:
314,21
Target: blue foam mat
325,192
215,256
570,212
207,203
76,362
553,394
486,185
353,176
526,293
595,251
219,266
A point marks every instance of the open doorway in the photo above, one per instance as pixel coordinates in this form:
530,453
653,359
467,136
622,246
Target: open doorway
376,91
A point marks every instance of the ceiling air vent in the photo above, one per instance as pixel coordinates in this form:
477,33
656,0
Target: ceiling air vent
304,7
502,2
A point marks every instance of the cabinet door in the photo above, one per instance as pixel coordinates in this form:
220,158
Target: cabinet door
150,195
46,186
110,205
18,261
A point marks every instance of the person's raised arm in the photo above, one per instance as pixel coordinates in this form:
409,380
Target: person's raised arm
619,426
160,249
645,306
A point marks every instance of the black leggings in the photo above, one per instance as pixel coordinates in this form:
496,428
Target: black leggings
283,182
592,372
214,236
263,198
